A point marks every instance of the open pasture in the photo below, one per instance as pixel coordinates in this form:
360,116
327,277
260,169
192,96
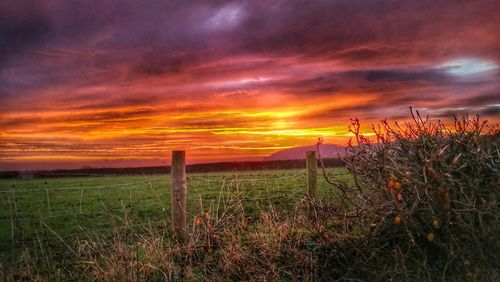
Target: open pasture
54,212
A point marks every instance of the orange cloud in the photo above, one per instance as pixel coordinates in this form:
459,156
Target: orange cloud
110,86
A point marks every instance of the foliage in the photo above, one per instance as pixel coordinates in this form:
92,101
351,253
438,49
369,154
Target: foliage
431,193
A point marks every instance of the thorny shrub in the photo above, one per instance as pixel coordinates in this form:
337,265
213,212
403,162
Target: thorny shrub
430,195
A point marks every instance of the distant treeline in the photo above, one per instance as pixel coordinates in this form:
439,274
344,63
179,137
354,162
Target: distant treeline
194,168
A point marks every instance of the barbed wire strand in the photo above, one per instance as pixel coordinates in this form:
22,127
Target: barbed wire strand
106,209
86,187
251,179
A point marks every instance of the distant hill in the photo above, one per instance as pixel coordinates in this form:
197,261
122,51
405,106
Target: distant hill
328,151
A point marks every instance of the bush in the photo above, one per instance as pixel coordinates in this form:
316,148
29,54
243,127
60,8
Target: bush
431,195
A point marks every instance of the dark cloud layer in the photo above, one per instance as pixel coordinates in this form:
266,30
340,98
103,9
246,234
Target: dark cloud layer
275,73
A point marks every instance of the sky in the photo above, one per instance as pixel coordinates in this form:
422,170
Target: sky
122,83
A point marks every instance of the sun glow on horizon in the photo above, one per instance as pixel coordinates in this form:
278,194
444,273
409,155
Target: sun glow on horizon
230,80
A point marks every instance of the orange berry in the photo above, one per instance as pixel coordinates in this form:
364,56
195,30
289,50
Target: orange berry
430,237
436,223
397,219
399,196
393,184
197,221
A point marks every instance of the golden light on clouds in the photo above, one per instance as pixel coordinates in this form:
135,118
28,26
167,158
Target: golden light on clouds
229,81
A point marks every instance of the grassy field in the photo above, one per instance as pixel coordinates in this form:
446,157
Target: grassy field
54,212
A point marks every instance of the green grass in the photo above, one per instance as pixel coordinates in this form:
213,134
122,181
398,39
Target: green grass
53,210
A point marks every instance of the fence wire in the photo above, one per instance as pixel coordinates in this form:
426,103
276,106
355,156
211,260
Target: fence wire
253,190
154,188
78,188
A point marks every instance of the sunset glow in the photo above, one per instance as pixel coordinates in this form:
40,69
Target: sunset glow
122,83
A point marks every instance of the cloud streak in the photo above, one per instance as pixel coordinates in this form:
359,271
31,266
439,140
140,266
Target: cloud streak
122,80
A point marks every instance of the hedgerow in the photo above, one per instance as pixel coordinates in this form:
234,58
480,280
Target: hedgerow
431,194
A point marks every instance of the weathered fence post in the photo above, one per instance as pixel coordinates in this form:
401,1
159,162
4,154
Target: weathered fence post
312,167
178,194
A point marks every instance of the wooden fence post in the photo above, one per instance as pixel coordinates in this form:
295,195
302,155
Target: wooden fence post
178,194
312,168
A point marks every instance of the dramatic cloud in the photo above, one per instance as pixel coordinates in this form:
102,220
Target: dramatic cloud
123,82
